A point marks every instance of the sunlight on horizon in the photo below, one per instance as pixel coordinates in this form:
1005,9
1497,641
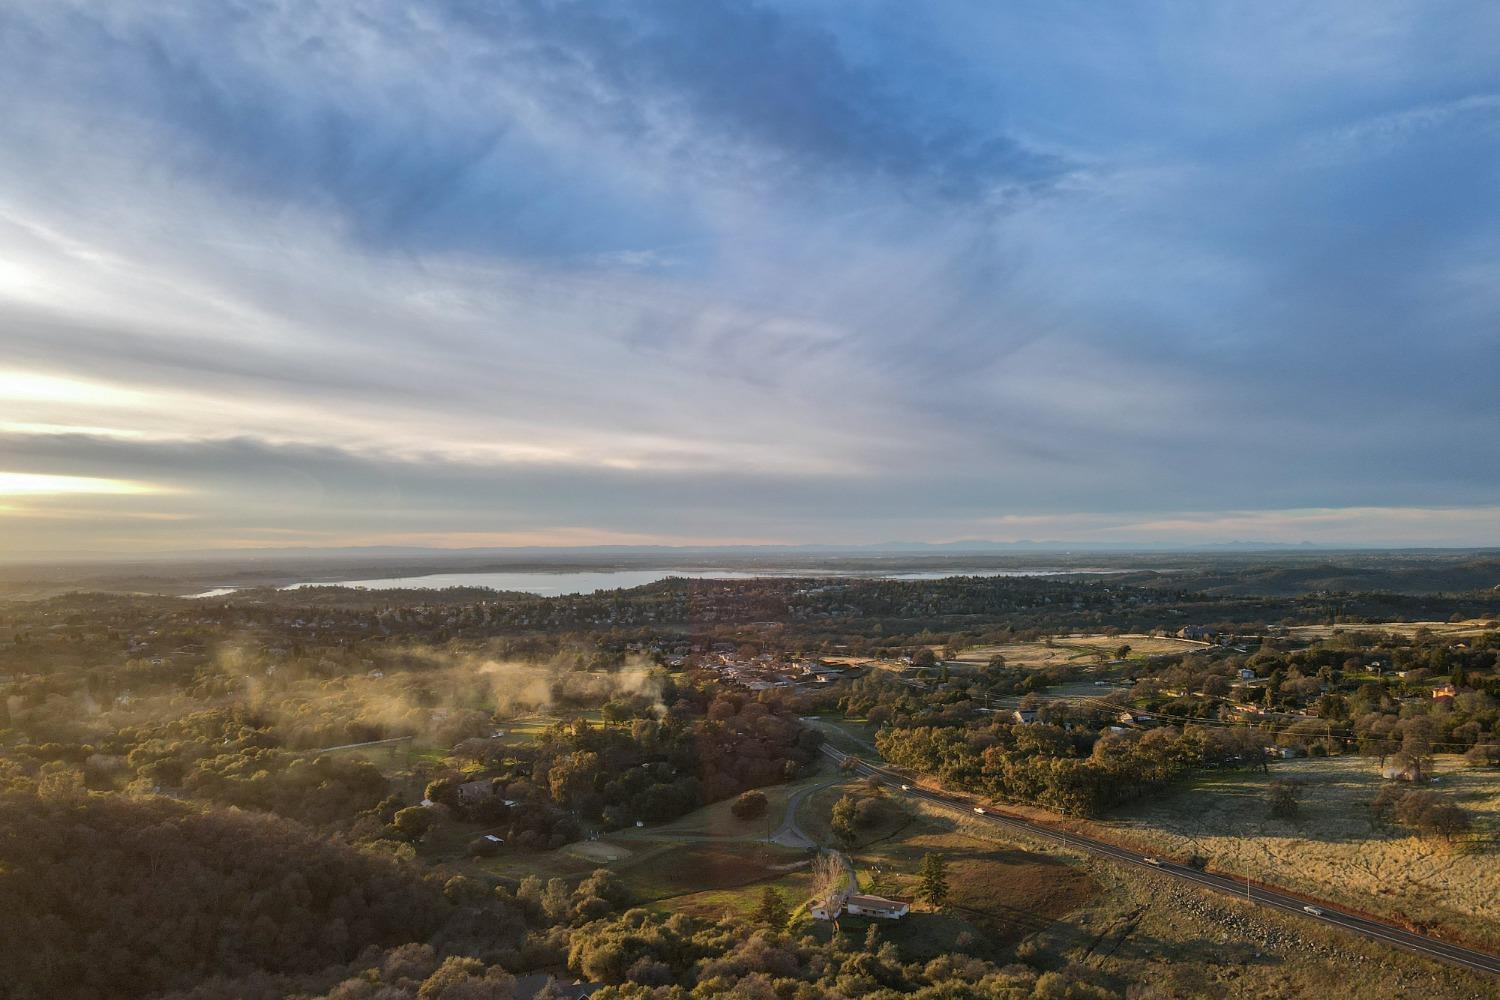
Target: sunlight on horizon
39,484
35,387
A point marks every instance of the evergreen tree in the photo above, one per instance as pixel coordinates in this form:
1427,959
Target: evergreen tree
935,879
772,909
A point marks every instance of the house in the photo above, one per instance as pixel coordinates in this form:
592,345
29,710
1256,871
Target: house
1444,691
473,792
830,908
877,906
1246,674
1198,632
529,986
1024,715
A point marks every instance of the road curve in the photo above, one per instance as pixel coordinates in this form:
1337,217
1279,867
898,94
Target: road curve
1443,951
790,832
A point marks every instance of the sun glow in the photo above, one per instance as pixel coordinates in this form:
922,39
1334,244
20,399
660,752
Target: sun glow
33,387
38,484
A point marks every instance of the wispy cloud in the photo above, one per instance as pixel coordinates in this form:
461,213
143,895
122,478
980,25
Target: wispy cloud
750,270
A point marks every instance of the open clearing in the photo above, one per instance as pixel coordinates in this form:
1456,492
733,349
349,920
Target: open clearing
1332,849
1452,630
1073,649
718,821
1006,892
1139,927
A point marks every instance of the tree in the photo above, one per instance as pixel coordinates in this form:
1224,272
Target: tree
467,979
773,909
750,805
828,875
413,822
934,879
1484,753
845,818
1122,651
1416,745
1283,793
484,847
1445,819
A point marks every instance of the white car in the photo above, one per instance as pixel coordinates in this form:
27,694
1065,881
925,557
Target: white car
1152,861
979,810
906,788
1315,911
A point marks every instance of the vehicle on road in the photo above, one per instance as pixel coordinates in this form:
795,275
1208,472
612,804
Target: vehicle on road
1152,861
979,810
1315,911
906,788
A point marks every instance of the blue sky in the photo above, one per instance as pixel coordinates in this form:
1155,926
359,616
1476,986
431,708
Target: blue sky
478,273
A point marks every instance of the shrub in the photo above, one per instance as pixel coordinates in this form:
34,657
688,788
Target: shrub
750,805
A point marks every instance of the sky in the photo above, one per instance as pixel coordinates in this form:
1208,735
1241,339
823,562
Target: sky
465,273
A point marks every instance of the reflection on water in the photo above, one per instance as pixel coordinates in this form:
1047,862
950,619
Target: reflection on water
545,584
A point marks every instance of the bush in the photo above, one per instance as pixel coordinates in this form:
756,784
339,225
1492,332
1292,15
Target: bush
750,805
483,847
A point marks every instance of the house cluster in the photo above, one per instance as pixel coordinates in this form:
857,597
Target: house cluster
767,672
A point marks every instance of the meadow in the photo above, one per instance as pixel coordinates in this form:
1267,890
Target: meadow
1333,849
1073,649
1448,630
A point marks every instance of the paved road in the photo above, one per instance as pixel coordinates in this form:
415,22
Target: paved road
1468,958
789,833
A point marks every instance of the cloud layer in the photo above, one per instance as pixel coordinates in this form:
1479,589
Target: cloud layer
331,273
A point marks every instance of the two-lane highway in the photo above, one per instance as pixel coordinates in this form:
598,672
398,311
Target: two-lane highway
1468,958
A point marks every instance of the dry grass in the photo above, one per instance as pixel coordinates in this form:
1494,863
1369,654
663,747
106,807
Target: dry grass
698,867
1451,630
1332,850
718,821
1009,892
1146,933
795,887
1155,937
1066,649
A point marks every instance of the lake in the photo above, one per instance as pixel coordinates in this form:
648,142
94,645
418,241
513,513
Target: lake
545,584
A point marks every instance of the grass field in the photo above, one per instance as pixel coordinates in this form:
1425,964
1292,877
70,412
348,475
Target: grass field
718,821
1074,649
1051,908
524,730
1331,850
1006,893
1452,630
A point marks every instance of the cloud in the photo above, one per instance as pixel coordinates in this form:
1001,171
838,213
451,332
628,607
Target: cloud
789,272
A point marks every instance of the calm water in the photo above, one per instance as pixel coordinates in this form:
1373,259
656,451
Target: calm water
545,584
555,584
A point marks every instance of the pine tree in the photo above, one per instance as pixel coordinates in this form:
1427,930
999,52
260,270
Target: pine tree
935,879
773,909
